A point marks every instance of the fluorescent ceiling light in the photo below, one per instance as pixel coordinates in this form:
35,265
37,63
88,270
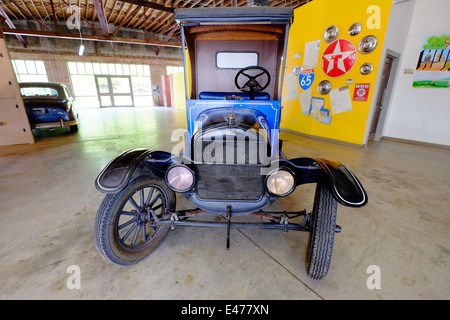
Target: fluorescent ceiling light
81,51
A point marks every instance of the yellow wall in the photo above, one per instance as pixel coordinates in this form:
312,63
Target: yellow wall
179,88
310,22
179,91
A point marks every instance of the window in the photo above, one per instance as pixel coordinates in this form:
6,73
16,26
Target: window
39,92
30,70
173,69
83,80
236,60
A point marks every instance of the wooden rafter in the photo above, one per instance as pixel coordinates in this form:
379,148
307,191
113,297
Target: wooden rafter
153,17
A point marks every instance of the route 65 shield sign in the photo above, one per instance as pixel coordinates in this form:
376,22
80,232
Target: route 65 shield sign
306,78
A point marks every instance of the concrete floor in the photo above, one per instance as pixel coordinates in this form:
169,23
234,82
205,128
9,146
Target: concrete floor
49,203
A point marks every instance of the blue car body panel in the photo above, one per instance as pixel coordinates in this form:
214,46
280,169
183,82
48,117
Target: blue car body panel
267,113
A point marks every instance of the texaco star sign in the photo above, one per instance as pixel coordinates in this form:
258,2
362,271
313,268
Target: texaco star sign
338,58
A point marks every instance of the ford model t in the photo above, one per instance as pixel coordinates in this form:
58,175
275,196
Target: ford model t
231,164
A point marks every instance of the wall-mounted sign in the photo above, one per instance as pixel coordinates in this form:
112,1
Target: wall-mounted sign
433,66
338,58
361,92
306,78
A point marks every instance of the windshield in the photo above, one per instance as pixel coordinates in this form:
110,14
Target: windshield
41,91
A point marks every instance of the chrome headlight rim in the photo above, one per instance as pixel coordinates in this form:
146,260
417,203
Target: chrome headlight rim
184,167
283,169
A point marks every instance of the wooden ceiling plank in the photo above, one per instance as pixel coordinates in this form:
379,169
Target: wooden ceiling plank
19,10
89,37
47,15
9,10
150,5
35,9
63,10
28,10
128,14
111,13
119,13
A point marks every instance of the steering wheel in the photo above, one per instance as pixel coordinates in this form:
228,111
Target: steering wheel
252,86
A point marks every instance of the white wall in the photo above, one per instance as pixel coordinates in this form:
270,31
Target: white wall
394,43
420,114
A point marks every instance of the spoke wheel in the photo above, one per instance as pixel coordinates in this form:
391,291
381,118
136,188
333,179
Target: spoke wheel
125,229
321,238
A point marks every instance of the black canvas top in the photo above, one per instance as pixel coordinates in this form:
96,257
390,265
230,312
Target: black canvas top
234,15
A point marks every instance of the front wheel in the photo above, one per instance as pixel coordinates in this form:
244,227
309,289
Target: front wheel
125,231
321,238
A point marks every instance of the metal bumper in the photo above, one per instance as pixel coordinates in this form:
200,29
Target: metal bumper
60,124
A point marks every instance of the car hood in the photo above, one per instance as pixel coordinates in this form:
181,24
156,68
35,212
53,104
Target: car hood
248,118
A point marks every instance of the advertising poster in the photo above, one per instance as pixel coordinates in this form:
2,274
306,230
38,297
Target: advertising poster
433,64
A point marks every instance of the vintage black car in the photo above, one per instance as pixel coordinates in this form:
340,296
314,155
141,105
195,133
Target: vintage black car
231,164
49,105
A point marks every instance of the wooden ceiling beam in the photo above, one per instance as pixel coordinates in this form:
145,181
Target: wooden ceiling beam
124,20
55,18
150,5
75,36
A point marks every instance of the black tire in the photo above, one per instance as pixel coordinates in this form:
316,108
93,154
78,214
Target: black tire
122,231
321,238
74,128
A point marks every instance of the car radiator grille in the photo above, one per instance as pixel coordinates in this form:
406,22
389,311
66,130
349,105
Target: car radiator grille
229,182
229,149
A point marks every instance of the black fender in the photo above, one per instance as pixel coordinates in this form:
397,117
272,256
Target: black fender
117,174
341,181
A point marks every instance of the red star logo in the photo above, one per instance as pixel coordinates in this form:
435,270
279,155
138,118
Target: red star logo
338,58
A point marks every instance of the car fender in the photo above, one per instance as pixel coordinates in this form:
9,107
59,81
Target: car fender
341,181
117,174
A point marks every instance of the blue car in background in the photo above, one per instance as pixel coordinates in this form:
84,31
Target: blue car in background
49,105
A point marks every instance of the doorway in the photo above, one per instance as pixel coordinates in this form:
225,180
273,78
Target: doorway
114,91
383,96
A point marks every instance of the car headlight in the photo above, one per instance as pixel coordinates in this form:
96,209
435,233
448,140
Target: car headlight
280,182
180,178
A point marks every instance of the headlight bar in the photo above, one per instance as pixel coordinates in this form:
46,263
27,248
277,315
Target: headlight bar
280,182
180,178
